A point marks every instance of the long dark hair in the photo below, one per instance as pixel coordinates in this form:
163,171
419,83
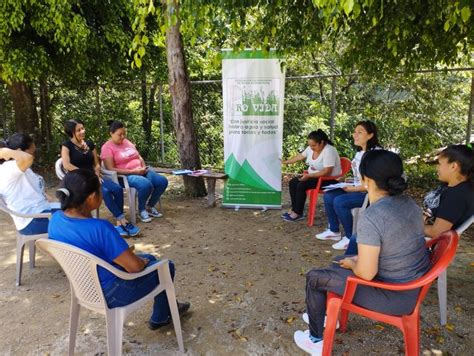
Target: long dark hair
463,155
114,125
319,136
19,141
370,127
386,169
76,186
70,127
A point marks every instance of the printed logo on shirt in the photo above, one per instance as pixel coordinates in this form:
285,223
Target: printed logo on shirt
128,152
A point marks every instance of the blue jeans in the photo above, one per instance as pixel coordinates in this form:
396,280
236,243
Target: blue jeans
112,194
352,247
338,204
37,225
123,292
149,188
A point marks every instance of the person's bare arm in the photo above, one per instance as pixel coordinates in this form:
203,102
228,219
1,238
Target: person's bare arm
294,159
67,159
23,160
110,165
325,172
96,162
131,262
357,188
366,264
440,225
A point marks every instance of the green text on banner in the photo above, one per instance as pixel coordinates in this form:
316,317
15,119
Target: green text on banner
253,92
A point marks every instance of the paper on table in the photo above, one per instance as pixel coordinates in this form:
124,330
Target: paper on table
337,186
181,172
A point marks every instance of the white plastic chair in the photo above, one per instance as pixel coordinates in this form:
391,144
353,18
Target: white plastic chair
81,269
131,192
356,213
61,173
21,240
443,280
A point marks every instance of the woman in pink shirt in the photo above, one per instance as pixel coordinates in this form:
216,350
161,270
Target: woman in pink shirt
120,155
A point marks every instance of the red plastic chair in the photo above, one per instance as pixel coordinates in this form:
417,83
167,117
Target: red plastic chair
443,250
346,166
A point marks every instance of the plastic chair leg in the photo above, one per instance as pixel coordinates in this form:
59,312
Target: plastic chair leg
411,334
343,321
175,317
332,313
114,320
132,193
73,324
32,251
443,297
20,248
313,201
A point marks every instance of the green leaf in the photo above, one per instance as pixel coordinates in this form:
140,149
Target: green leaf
348,6
465,13
356,10
446,26
138,62
141,51
145,40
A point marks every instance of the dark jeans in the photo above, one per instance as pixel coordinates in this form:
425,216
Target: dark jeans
352,247
333,279
112,194
298,192
338,205
149,188
123,292
38,225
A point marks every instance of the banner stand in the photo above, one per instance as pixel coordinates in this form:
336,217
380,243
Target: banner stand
253,84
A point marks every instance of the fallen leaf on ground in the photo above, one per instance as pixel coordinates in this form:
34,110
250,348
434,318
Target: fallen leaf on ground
379,327
449,327
291,319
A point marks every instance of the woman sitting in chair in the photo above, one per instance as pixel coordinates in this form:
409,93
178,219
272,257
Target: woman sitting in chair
77,152
338,203
79,196
322,160
391,248
120,155
20,187
452,203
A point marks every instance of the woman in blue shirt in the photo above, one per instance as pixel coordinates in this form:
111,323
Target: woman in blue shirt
79,196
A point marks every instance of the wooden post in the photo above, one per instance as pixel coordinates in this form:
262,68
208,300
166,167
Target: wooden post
161,125
471,112
333,107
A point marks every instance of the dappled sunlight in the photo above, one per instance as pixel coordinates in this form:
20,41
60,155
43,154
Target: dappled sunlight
10,258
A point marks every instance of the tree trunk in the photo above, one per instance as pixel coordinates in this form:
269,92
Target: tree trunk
44,114
180,90
471,112
26,116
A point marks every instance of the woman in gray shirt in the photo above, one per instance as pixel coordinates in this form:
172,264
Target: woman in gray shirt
391,248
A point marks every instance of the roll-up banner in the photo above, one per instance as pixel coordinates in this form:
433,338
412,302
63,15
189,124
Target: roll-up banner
253,92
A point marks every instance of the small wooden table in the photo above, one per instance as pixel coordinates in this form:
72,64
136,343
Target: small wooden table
211,178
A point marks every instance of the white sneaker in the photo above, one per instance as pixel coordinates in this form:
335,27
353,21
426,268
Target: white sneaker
329,235
342,244
144,216
306,320
303,341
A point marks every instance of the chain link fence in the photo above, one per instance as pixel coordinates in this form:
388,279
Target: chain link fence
414,114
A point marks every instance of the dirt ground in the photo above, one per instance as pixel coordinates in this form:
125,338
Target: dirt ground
244,273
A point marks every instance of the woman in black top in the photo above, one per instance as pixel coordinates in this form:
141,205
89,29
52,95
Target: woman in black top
452,203
77,152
